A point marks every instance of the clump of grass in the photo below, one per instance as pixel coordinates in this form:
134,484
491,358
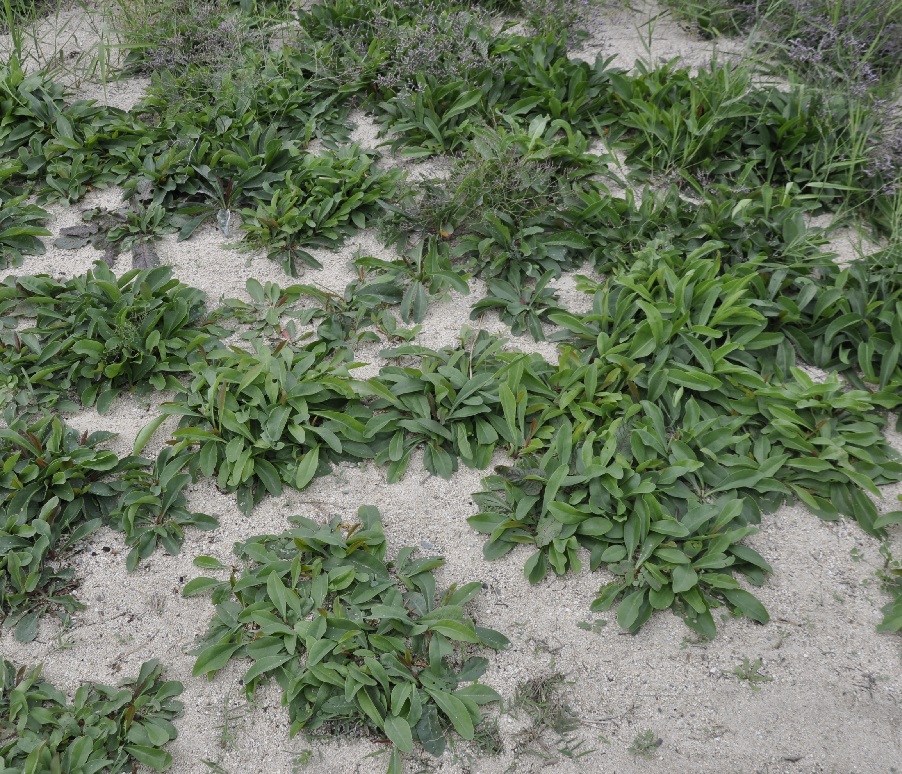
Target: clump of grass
552,732
175,34
566,19
503,205
845,40
498,181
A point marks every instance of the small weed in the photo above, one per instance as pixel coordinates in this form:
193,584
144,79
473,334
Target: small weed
300,761
595,626
750,671
229,724
646,744
63,642
488,739
552,732
891,578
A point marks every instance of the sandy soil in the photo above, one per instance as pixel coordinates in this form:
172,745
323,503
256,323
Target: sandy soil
835,700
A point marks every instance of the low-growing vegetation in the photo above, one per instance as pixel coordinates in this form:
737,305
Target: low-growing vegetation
381,649
724,364
103,729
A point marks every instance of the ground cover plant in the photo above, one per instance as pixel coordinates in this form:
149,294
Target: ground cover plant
843,38
102,729
99,334
273,417
53,495
20,230
153,509
383,651
722,364
57,488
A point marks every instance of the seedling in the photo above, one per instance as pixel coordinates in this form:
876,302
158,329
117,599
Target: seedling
646,744
750,671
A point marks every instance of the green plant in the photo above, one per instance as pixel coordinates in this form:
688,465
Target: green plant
20,229
544,81
445,44
850,320
103,729
559,18
320,201
54,491
258,421
422,270
502,206
840,40
349,636
265,313
683,560
450,404
153,510
176,34
523,308
645,744
363,303
433,119
715,126
692,465
98,334
750,671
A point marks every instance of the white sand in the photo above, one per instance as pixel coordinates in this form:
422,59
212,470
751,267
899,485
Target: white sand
833,705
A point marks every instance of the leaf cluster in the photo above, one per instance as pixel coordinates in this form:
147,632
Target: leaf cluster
349,636
321,200
20,230
153,509
716,126
448,404
55,489
260,420
102,729
522,307
97,334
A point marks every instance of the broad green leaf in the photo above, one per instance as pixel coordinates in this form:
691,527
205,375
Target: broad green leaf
398,730
455,710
